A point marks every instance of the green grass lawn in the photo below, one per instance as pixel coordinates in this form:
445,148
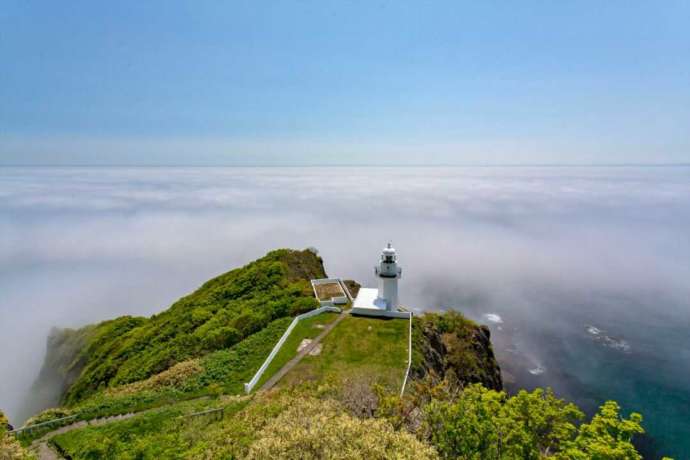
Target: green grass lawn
305,329
370,347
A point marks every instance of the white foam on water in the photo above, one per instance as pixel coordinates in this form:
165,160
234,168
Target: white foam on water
593,330
537,370
610,342
493,318
617,344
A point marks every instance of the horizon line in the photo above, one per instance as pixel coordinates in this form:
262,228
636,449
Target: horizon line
344,165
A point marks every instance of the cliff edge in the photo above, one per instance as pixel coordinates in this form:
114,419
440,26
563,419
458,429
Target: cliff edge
451,347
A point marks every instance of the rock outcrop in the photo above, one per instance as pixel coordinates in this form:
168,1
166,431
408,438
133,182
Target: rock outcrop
61,366
449,346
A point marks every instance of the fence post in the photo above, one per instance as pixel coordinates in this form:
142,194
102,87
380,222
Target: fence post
409,359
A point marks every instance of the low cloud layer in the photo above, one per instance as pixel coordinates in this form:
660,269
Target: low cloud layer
533,245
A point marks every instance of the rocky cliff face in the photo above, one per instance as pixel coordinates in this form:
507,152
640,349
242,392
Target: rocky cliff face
449,346
60,368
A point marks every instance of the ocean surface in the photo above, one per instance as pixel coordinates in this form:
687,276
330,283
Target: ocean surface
582,273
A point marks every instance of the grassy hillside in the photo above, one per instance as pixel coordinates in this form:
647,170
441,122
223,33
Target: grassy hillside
342,403
218,315
220,371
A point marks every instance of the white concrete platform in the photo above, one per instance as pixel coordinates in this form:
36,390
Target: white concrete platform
368,303
369,298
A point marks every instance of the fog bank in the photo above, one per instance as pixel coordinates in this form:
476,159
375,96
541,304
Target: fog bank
546,249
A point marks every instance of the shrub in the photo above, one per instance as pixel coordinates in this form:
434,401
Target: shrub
607,436
10,449
314,429
215,390
175,377
483,423
49,414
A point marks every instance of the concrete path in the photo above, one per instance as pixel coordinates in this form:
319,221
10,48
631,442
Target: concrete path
43,450
293,362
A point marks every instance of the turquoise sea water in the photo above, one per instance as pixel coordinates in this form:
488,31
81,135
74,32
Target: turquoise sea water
641,363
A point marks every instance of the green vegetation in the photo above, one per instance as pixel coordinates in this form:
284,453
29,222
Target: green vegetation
308,422
483,423
221,313
342,403
283,425
305,329
222,371
324,413
608,436
168,432
359,348
10,449
317,429
487,424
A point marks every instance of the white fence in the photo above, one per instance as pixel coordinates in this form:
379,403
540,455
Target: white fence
409,359
250,385
29,428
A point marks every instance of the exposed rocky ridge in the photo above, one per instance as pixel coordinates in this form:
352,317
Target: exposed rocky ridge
449,346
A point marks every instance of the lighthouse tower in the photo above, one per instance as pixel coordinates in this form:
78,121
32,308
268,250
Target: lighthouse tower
388,272
384,300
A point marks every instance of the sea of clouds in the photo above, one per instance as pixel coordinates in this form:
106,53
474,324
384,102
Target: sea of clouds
545,249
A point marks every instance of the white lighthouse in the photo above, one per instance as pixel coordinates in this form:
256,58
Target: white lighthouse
388,274
384,300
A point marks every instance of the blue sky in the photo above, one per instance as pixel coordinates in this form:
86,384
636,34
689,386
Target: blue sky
292,83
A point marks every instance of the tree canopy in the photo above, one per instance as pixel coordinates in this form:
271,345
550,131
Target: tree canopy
481,424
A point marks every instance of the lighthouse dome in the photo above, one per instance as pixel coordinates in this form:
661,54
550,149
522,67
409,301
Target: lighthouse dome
389,250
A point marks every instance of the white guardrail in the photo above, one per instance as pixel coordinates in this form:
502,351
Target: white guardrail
29,428
250,385
409,359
